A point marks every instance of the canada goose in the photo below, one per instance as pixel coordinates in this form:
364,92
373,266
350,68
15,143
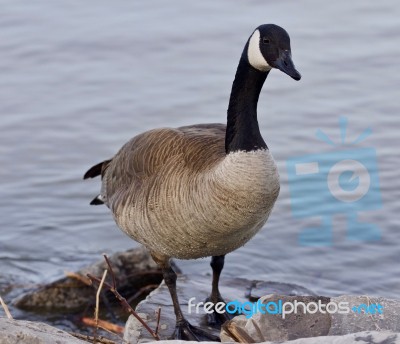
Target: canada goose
205,189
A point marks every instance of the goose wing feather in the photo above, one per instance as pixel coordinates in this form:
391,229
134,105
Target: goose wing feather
142,159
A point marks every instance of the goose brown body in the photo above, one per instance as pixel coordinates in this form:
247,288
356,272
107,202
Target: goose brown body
177,192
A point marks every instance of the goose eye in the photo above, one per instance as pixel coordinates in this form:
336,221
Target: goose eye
266,40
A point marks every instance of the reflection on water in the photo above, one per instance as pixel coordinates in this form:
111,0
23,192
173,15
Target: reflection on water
80,79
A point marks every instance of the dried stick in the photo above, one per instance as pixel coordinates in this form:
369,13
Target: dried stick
111,271
78,277
105,325
96,311
6,310
121,299
158,320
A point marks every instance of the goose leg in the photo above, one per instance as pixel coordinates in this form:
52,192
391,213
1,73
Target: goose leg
183,329
217,319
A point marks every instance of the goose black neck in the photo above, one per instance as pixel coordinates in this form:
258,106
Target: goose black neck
242,131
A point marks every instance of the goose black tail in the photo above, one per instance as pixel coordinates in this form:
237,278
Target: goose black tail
93,172
96,170
97,200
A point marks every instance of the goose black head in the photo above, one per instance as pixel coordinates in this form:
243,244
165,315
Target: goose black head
269,47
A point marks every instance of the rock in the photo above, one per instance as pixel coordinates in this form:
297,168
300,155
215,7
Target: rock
191,286
134,269
354,321
367,337
133,328
276,327
352,318
318,327
27,332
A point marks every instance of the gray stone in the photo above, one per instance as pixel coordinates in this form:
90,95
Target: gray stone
274,327
354,321
366,337
133,328
300,328
189,286
27,332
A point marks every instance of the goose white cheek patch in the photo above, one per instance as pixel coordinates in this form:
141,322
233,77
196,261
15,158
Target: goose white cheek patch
254,55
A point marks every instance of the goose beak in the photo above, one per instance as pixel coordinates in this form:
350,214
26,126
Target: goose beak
285,64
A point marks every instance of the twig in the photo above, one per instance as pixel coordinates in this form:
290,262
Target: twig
78,277
6,310
105,325
96,313
111,271
158,320
126,306
122,300
96,310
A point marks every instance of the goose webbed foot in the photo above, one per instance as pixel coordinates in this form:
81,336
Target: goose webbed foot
185,331
216,319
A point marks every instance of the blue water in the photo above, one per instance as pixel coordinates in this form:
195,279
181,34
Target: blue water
78,79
